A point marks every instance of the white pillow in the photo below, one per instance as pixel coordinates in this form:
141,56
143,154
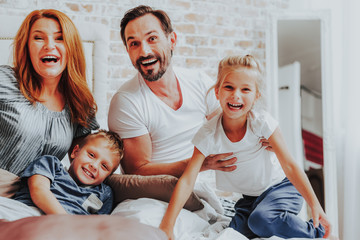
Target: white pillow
151,211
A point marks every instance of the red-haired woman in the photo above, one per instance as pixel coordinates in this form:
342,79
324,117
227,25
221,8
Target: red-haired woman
44,99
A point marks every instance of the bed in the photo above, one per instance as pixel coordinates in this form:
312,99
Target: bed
194,223
142,201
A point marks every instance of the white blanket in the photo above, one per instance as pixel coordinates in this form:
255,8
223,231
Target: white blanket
12,210
207,224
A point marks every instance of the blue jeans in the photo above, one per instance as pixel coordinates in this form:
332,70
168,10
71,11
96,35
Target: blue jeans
274,212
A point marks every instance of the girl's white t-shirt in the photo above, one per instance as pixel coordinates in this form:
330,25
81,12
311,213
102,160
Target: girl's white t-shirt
257,168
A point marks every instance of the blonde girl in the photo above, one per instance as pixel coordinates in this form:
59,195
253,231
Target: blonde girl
272,185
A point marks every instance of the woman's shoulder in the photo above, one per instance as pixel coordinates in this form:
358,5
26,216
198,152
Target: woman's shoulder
8,82
6,73
4,67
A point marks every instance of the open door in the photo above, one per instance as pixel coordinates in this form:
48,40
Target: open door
290,114
290,109
286,33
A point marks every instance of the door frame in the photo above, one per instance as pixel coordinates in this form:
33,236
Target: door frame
329,168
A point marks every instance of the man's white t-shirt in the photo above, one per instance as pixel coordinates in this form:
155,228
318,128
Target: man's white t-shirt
257,168
135,111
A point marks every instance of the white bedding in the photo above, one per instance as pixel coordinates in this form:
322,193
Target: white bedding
207,224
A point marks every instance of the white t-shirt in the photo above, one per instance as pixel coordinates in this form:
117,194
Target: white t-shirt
135,110
257,168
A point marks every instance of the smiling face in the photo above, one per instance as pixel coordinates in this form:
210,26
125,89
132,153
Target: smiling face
148,47
93,162
238,93
47,49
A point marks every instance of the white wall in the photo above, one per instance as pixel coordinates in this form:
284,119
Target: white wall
345,52
206,30
350,118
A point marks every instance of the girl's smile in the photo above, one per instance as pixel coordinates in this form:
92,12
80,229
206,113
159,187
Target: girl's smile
238,93
235,106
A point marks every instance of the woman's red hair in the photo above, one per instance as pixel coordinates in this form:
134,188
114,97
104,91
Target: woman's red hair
73,83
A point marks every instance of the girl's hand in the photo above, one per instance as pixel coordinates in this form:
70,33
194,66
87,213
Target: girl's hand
319,216
168,231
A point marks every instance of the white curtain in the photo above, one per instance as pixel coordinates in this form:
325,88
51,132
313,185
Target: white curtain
351,119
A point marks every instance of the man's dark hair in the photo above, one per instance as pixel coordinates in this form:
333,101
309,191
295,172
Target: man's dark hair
140,11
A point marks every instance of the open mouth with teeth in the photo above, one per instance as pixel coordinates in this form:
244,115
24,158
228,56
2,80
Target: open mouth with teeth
50,59
88,173
235,106
148,62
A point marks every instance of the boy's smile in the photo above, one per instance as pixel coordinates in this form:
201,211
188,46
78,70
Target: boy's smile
93,162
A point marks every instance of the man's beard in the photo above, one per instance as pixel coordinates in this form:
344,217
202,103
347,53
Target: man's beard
150,75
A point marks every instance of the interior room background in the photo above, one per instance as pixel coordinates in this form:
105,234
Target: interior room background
211,29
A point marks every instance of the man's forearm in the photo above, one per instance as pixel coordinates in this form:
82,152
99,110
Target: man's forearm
175,169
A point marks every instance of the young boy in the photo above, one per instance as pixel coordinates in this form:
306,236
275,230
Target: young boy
80,190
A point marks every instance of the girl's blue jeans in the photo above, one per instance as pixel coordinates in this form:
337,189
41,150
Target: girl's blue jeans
274,212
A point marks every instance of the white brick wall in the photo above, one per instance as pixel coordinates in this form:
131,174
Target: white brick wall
207,29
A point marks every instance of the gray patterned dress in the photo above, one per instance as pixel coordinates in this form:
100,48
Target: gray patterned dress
28,131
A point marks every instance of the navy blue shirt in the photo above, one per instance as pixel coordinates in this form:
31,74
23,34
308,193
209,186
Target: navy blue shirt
75,199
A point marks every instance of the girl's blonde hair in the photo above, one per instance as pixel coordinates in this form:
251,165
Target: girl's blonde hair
73,83
234,63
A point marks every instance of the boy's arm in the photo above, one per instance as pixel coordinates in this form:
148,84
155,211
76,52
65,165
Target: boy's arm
299,179
43,198
181,192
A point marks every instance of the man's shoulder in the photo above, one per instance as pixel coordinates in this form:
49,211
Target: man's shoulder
195,77
189,72
130,89
130,86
